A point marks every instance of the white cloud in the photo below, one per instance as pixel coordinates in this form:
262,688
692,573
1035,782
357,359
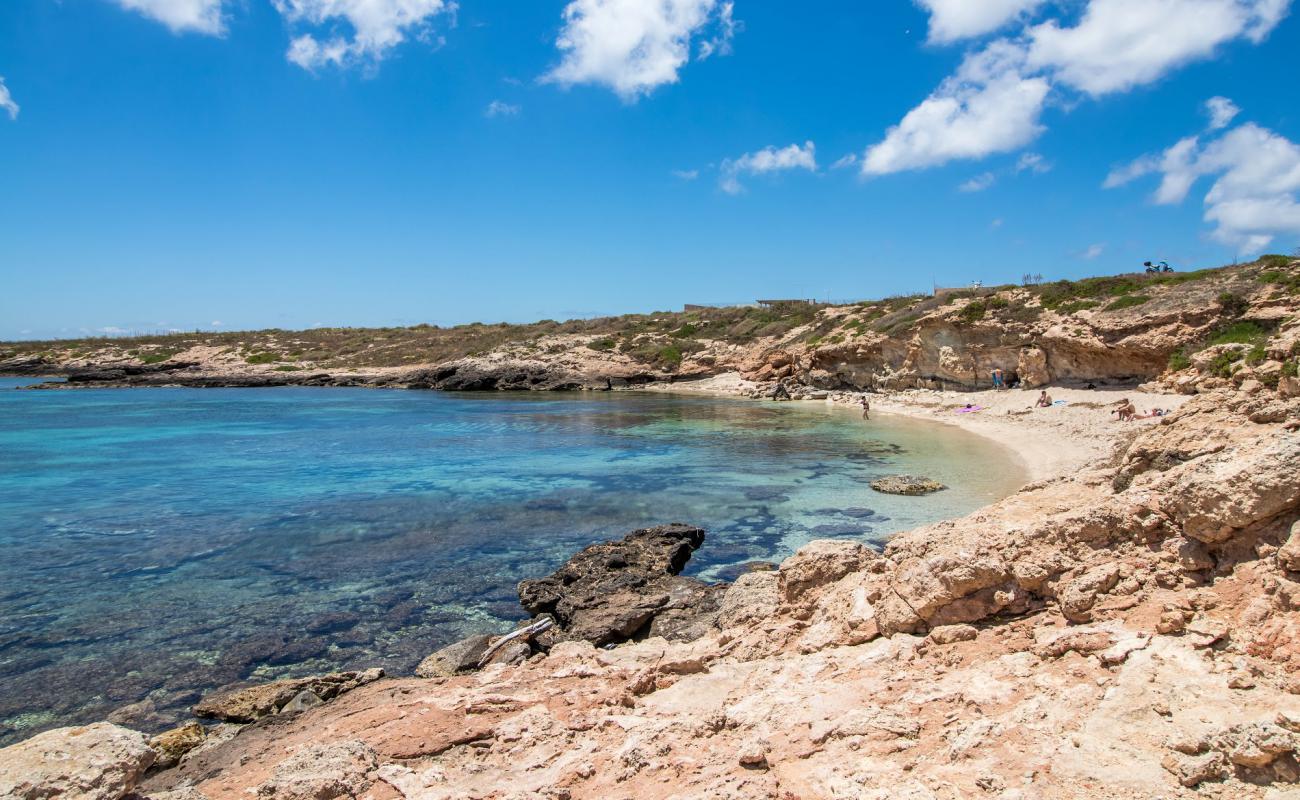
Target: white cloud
987,107
1093,251
181,16
1254,196
997,223
216,323
6,100
500,108
1221,111
686,174
634,46
1120,44
377,27
1033,162
993,102
845,161
768,160
978,183
951,20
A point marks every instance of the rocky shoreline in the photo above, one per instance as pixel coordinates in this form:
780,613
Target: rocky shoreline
1127,626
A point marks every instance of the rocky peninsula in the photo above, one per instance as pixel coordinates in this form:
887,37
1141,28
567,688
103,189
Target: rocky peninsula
1125,626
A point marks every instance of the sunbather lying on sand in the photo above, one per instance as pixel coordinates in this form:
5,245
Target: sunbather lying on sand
1044,400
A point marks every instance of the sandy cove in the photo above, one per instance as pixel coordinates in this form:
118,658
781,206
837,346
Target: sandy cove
1049,442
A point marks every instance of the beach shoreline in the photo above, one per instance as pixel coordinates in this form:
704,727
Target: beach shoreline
1050,442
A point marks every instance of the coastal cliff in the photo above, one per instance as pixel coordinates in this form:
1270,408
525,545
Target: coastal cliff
1123,329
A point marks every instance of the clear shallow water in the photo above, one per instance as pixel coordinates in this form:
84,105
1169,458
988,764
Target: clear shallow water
159,542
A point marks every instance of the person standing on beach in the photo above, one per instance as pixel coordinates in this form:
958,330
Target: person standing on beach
866,407
997,378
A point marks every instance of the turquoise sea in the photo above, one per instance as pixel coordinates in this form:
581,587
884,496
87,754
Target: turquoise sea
156,543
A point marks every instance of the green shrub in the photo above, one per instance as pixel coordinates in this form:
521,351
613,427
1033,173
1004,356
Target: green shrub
602,345
670,355
156,357
974,311
1291,369
287,368
685,332
1127,301
1256,354
262,358
1077,305
1179,361
1224,363
1274,261
1234,305
1239,333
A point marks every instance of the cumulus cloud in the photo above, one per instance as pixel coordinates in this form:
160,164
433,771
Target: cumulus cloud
951,20
1120,44
7,103
500,108
978,183
377,27
634,46
993,103
1094,251
686,174
182,16
1256,182
766,161
987,107
1221,112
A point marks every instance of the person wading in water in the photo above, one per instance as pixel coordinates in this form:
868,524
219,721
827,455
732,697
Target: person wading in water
866,407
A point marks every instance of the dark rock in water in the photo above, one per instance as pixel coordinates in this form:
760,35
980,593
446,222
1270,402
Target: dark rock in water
611,592
254,702
907,484
841,529
858,513
462,656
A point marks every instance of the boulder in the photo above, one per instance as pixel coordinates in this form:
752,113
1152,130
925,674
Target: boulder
455,658
96,762
820,563
612,591
754,597
907,484
254,702
171,745
1080,594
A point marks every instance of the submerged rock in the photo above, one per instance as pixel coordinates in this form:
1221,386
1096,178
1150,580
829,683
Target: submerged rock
613,591
254,702
95,762
907,484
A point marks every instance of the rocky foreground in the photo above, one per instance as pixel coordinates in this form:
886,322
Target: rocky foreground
1130,631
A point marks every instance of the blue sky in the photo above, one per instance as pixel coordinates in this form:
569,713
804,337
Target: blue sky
288,163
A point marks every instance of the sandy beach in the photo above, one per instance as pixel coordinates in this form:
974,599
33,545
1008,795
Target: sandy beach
1077,433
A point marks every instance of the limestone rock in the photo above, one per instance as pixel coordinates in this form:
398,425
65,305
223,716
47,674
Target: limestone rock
301,702
254,702
1192,770
1081,593
322,772
96,762
820,563
171,745
1289,556
752,598
609,592
948,634
458,657
907,484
